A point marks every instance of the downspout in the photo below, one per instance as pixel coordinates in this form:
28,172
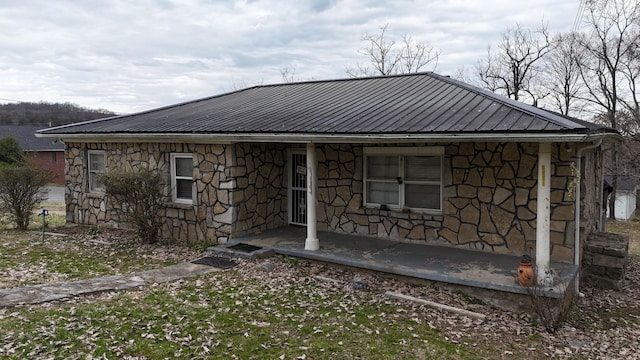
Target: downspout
576,236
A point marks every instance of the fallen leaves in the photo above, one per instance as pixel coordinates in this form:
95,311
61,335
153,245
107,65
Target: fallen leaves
294,311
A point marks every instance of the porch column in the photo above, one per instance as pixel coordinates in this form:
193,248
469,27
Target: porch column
543,219
311,243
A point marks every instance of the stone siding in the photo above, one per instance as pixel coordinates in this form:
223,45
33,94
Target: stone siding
489,190
489,194
240,188
259,192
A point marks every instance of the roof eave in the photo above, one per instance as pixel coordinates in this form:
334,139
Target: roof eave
226,138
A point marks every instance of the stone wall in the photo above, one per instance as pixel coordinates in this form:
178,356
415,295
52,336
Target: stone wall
605,260
208,219
492,198
259,192
591,203
239,188
490,192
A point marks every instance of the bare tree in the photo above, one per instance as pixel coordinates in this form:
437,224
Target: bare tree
514,68
562,73
464,74
631,72
242,84
605,61
387,57
288,74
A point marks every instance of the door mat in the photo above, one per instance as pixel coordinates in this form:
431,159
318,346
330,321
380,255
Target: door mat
245,248
216,261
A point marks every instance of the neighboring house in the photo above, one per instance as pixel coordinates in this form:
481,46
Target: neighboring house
43,152
626,191
418,158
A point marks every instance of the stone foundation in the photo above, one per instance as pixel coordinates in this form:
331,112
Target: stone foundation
605,259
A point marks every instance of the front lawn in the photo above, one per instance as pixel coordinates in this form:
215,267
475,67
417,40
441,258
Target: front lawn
226,316
277,308
79,253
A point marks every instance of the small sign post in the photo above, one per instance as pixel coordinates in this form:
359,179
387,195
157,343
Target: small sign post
44,213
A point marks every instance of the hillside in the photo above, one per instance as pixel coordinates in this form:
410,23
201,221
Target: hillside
47,114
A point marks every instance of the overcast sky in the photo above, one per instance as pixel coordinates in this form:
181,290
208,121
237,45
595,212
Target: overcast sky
130,55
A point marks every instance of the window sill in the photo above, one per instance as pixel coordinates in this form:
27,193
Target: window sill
180,205
373,209
96,194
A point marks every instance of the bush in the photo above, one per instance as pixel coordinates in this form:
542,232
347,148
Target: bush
138,194
21,190
10,151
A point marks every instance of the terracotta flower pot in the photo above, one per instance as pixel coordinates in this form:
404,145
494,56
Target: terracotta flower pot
525,272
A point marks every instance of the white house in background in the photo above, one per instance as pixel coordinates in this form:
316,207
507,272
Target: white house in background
626,190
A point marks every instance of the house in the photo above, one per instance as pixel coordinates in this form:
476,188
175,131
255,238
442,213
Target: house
418,158
625,201
44,153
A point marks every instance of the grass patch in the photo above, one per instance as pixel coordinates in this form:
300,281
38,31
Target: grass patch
55,219
216,318
630,228
76,256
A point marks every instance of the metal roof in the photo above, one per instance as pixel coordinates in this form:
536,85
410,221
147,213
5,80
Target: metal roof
624,182
423,103
25,135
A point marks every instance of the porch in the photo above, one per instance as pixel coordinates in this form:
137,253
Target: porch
475,269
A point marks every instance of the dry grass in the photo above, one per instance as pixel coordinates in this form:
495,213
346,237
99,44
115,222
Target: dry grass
630,228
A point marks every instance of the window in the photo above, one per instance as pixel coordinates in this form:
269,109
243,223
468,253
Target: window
96,167
182,178
403,177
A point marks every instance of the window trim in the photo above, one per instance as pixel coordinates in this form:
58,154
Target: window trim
402,153
175,178
93,172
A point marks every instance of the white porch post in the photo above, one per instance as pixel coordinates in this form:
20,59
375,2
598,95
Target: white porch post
311,243
543,250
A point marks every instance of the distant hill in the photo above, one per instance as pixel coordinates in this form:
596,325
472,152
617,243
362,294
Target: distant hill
47,114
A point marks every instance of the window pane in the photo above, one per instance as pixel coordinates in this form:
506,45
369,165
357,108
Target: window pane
96,162
382,193
422,168
382,167
183,189
184,167
95,183
422,196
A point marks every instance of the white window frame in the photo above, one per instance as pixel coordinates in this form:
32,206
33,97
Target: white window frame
175,178
94,172
401,153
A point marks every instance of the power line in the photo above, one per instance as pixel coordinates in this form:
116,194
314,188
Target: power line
578,20
5,99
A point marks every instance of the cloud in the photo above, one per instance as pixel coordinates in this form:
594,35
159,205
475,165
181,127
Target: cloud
133,55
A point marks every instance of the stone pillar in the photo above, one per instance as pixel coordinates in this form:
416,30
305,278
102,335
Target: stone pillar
543,217
311,242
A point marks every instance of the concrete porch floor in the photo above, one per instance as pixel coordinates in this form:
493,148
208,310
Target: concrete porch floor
438,263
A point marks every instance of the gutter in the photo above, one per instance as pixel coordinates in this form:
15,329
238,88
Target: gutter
222,138
576,236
